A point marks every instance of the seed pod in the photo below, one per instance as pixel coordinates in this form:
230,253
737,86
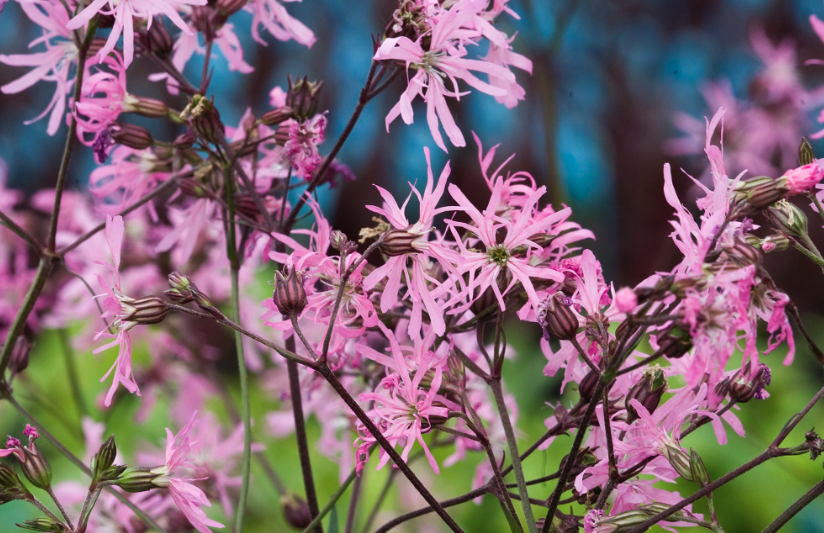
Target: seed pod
789,219
11,488
290,294
648,392
204,118
698,469
276,116
158,40
146,310
303,97
19,359
43,524
556,317
295,510
132,136
35,467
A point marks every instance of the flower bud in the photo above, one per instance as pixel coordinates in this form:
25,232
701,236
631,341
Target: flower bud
806,155
158,40
11,488
744,387
341,242
673,347
743,253
814,443
556,317
146,107
132,136
456,368
227,8
290,294
648,392
652,509
19,359
43,524
102,464
141,479
626,300
775,243
206,304
146,310
678,459
276,116
204,118
295,510
302,96
587,387
35,466
698,469
397,242
789,219
803,178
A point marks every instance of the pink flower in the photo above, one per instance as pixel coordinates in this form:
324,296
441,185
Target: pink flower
276,20
186,496
113,303
486,267
52,65
402,408
804,178
445,60
301,149
626,300
124,11
419,251
102,99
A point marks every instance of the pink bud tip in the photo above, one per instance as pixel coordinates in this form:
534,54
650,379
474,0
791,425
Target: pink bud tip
803,178
625,300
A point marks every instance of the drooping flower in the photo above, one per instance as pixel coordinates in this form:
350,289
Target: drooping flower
272,16
301,149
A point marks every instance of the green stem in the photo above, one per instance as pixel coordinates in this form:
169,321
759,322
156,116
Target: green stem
45,510
78,463
20,232
231,251
68,520
497,391
71,372
335,497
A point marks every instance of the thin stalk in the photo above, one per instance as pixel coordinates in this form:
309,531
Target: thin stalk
353,505
613,470
71,372
573,453
20,232
468,497
100,227
330,377
78,463
68,520
497,391
302,440
86,511
503,495
381,497
45,510
234,262
37,284
332,501
796,317
584,356
795,508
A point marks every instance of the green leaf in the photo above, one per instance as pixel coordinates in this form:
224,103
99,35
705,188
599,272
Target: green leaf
333,520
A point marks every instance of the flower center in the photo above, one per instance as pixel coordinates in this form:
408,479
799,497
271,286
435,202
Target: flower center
499,255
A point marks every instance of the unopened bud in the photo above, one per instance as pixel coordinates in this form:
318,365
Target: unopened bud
761,193
181,288
744,387
648,392
587,387
743,253
35,466
296,510
789,219
276,116
806,155
142,479
43,524
102,464
679,460
11,488
455,366
341,242
204,118
652,509
146,310
158,40
302,97
556,317
19,359
206,304
146,107
290,294
775,243
397,242
673,347
803,178
132,136
626,300
698,469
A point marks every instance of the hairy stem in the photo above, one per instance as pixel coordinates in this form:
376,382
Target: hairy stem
795,508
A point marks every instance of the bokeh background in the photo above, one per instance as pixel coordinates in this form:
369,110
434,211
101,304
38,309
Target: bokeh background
609,77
